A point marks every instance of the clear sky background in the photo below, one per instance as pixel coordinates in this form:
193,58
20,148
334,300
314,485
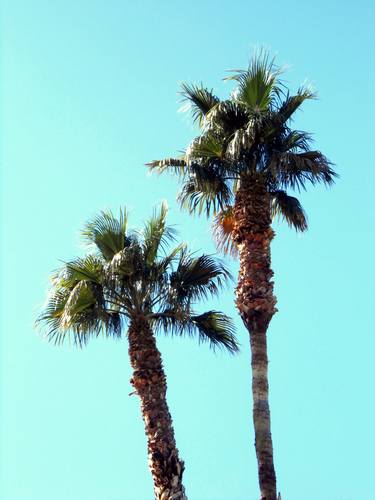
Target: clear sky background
89,94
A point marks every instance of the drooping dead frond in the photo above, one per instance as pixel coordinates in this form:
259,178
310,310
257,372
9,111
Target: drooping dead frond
288,208
222,227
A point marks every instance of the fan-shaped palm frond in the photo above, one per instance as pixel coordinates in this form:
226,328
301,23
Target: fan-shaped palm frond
209,145
128,263
107,233
293,141
217,329
291,103
175,165
259,86
296,169
197,278
77,304
52,312
227,116
200,100
89,268
205,195
288,208
156,234
212,326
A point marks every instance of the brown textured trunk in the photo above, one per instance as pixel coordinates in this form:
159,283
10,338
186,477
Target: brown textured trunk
256,303
150,384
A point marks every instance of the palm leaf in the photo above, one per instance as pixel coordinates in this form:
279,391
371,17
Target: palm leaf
290,209
296,169
174,165
213,327
107,233
205,191
217,329
156,234
197,278
292,102
208,146
227,116
259,87
200,101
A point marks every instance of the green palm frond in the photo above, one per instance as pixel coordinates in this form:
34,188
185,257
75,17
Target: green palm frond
208,146
129,262
50,318
241,142
213,327
295,170
288,208
157,235
294,141
200,100
292,102
197,278
176,166
81,299
107,233
164,264
79,310
259,86
89,268
217,329
205,191
227,116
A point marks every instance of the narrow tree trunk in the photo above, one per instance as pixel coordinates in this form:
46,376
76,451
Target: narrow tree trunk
256,303
150,384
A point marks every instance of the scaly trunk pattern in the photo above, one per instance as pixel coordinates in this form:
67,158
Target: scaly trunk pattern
150,384
255,301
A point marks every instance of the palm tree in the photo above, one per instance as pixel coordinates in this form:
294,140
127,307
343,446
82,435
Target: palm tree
238,169
131,278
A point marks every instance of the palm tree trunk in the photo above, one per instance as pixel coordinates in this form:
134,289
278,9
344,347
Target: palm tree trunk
150,384
256,303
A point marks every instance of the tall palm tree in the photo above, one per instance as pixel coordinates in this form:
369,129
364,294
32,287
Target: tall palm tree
131,278
238,170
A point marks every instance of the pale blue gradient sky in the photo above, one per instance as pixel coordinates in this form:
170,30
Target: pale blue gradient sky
89,94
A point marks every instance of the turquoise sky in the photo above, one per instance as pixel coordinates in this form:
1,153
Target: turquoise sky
89,94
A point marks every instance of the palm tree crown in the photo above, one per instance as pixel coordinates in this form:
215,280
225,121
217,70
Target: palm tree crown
130,274
247,136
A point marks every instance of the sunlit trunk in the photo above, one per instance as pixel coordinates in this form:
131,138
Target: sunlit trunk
150,384
255,301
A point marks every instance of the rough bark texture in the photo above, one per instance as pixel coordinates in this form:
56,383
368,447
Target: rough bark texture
150,384
256,303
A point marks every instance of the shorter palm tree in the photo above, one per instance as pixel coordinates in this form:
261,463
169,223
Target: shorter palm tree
131,278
